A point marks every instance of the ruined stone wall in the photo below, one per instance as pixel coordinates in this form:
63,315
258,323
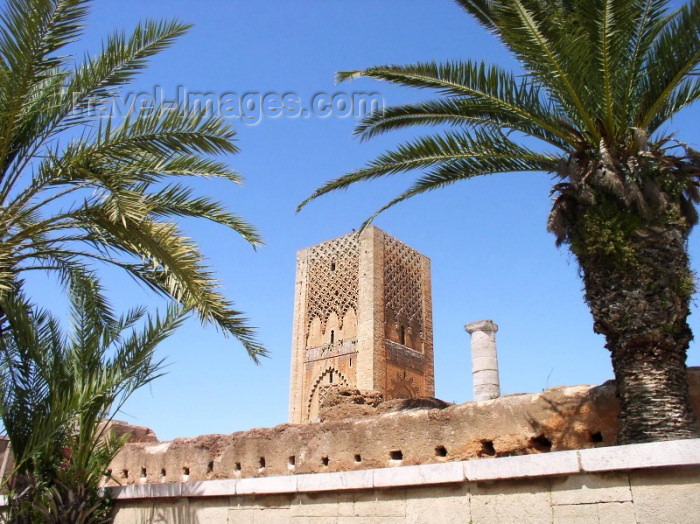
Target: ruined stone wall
558,419
655,483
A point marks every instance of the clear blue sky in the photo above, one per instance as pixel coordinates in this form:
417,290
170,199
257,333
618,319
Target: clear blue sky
491,256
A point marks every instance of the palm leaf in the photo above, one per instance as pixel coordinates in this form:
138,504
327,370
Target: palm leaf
487,91
674,56
458,156
114,172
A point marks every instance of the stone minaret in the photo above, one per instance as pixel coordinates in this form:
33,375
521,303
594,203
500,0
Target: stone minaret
362,318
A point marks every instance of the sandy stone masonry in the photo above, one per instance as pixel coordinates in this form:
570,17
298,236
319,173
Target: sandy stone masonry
657,483
362,318
563,418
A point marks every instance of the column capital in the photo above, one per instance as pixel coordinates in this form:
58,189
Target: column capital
488,326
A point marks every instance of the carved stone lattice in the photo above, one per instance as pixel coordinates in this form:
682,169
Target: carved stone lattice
402,283
333,279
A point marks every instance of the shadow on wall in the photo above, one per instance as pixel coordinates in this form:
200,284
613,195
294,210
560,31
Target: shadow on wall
556,432
145,512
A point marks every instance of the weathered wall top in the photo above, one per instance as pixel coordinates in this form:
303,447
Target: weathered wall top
561,418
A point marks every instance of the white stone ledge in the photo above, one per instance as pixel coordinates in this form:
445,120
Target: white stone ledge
543,464
419,475
209,488
635,456
360,479
147,491
265,485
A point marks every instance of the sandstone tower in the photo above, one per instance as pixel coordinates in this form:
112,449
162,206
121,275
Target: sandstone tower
363,318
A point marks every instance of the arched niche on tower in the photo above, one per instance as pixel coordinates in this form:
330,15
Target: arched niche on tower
349,329
331,335
391,326
398,329
315,337
414,339
328,377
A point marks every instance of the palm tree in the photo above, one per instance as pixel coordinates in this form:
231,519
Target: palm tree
601,78
59,393
77,190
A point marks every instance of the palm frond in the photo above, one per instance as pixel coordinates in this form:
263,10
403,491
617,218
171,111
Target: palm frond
117,171
541,35
683,96
672,58
121,59
178,200
30,34
480,91
63,101
649,21
533,46
177,270
457,155
59,392
430,113
448,174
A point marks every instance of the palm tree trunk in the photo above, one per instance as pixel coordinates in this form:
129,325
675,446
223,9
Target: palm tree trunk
641,307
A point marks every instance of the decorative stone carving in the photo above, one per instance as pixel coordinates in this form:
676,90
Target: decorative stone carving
362,309
330,376
402,283
402,386
333,279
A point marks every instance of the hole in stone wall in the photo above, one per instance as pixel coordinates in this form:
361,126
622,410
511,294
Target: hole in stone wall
237,466
292,461
186,471
402,335
351,362
358,458
332,340
330,377
262,462
396,454
541,443
162,472
143,472
332,266
440,451
125,473
597,437
487,448
210,466
324,461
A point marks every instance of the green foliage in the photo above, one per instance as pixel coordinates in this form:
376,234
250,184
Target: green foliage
58,394
601,77
608,235
108,196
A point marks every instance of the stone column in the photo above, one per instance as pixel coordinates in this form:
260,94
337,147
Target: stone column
371,355
484,359
297,390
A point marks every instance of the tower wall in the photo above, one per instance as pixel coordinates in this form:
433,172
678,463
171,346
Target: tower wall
362,317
